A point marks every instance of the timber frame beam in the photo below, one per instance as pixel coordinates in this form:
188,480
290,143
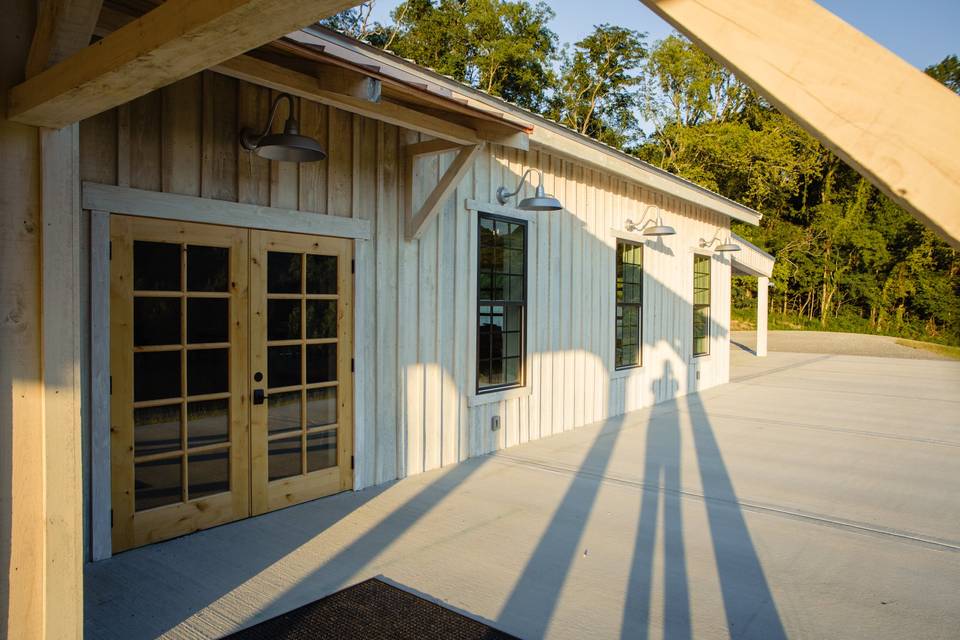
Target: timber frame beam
174,40
254,70
895,125
63,27
416,222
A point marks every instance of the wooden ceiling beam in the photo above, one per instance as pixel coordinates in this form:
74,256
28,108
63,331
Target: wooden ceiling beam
306,86
63,27
173,41
892,123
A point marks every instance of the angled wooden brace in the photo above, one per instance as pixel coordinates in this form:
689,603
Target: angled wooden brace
415,222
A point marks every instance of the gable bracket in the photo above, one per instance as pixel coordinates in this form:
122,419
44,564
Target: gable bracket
415,222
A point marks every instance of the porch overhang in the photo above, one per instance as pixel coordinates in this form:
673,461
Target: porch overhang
751,260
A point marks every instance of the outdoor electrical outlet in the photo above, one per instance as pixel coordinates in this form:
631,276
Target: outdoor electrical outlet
698,375
495,423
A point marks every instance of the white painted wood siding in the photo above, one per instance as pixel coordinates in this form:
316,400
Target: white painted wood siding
416,333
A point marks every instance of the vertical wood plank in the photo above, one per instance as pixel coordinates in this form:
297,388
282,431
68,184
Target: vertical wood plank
98,148
313,175
253,172
144,147
284,177
339,163
386,238
220,147
100,385
180,125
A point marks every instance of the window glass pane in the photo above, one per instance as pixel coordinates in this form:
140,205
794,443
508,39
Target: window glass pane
321,274
156,375
321,318
156,321
283,366
208,473
283,319
511,370
321,450
283,272
208,422
208,268
283,411
157,483
283,458
321,406
701,304
208,371
207,320
156,429
156,266
321,363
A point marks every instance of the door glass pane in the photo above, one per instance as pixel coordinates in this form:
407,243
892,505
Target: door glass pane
284,458
156,375
157,483
321,318
321,450
283,411
156,321
208,473
156,429
156,266
208,371
208,422
321,363
208,268
283,319
321,274
283,366
207,320
283,272
321,406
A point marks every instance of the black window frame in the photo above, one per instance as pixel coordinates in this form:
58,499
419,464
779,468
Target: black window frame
522,304
619,304
698,307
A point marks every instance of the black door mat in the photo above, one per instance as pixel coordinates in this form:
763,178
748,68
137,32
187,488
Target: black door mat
371,609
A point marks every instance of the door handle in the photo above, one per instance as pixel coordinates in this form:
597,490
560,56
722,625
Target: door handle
258,396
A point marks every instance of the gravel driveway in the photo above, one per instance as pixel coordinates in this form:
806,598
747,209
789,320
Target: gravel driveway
847,344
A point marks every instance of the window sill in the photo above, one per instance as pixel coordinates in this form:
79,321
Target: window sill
617,374
704,358
479,399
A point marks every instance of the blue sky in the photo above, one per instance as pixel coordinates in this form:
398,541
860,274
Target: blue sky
922,32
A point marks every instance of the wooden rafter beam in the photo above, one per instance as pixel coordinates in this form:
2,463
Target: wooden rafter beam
415,222
63,27
896,126
175,40
280,78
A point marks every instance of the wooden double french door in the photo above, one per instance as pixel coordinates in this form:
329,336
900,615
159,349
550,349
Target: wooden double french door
230,365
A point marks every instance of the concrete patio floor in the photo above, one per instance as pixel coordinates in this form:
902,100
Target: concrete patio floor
814,496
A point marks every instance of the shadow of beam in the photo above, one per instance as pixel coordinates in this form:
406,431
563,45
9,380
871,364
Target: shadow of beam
747,599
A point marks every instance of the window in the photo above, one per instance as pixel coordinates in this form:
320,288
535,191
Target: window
629,330
501,302
701,305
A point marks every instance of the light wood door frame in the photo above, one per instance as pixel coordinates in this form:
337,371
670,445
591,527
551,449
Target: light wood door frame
267,495
132,528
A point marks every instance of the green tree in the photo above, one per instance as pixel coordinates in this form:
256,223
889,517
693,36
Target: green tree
597,89
947,71
504,48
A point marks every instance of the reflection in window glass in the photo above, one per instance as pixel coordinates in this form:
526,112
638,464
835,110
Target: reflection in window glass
628,328
284,457
321,450
208,473
501,304
157,483
208,422
701,305
156,266
208,268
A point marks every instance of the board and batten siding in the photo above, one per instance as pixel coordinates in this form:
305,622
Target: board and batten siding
416,332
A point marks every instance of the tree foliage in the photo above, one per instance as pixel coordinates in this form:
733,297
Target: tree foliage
847,256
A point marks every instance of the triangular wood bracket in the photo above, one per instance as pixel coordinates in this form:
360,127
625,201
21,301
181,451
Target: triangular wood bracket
416,221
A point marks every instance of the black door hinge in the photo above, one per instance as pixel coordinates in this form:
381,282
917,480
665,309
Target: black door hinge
111,385
352,366
353,266
111,518
351,462
110,250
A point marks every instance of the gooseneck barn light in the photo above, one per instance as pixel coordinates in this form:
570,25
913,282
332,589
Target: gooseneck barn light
653,226
288,146
723,247
540,200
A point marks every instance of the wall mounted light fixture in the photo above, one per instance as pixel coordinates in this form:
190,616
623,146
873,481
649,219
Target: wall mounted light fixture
288,146
653,226
723,247
540,200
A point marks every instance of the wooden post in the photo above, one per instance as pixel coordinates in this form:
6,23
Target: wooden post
763,284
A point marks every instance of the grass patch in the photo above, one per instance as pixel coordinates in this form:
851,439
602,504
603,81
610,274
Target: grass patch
939,349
